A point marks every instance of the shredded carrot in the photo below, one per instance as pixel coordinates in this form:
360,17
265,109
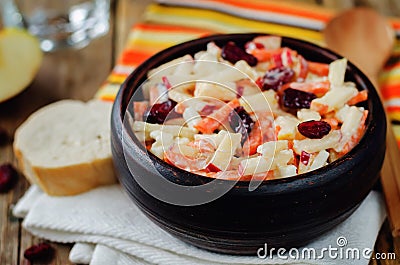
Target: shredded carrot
253,140
321,108
210,123
277,130
321,69
317,88
360,97
357,136
282,88
266,120
263,131
263,55
202,145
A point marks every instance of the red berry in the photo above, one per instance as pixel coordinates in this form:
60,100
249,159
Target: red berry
276,77
233,53
8,177
41,252
314,129
159,112
296,99
241,122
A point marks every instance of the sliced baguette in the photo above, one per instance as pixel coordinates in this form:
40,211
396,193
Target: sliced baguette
65,148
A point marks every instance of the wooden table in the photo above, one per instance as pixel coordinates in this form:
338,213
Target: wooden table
78,74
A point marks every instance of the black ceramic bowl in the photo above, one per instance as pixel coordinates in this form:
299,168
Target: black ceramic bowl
282,213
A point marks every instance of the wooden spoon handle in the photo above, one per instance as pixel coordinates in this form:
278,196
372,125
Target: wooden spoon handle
366,39
390,174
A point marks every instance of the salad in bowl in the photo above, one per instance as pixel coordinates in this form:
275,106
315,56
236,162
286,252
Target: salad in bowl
261,111
232,141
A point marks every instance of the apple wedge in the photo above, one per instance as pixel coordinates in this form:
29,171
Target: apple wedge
20,59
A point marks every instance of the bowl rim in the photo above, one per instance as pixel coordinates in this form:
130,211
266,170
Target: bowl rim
315,177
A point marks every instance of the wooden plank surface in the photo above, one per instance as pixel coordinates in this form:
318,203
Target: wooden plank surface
78,74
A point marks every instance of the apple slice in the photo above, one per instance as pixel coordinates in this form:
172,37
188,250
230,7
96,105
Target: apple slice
20,59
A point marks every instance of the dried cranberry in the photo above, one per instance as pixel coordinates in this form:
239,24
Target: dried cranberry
314,129
296,99
276,77
8,177
233,53
41,252
3,136
159,112
241,122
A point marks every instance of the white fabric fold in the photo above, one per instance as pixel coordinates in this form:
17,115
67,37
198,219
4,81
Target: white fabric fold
82,253
107,218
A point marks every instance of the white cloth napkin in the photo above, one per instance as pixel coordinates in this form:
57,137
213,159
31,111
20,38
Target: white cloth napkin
109,229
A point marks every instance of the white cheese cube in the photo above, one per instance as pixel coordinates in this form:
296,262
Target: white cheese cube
269,42
223,91
265,101
225,151
181,140
246,69
214,139
308,115
283,158
169,67
181,93
320,160
341,113
351,121
316,145
288,127
191,117
269,149
175,130
163,142
337,70
185,67
227,73
335,98
254,165
287,171
304,168
158,94
213,49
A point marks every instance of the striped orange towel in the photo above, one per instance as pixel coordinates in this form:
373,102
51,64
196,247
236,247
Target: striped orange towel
162,28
